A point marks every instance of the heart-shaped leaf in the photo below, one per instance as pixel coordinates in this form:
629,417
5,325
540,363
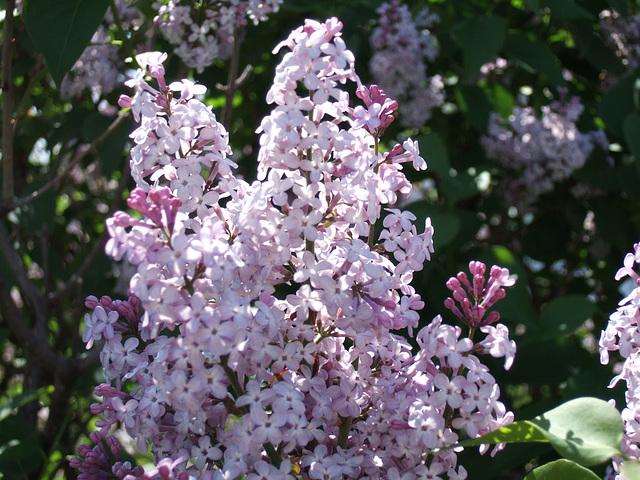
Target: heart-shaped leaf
563,315
586,430
481,38
631,470
61,29
561,470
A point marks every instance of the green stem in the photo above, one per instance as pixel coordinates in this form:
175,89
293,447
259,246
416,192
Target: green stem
343,434
123,35
238,391
276,460
472,332
372,227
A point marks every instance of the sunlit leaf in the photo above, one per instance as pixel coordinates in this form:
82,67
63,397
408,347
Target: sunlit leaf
631,470
561,470
586,430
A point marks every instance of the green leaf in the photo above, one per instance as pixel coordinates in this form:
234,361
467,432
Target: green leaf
473,102
561,470
621,6
500,98
586,430
110,152
563,315
616,104
593,49
61,29
631,470
534,55
533,5
517,432
567,10
434,151
613,222
457,187
598,172
631,129
561,359
481,39
9,404
20,449
446,225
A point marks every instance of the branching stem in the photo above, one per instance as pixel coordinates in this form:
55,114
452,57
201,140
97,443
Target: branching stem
8,122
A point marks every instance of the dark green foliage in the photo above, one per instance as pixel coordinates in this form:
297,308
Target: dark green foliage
61,29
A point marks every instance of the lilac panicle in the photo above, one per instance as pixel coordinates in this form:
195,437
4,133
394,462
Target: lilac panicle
201,33
216,370
621,335
539,151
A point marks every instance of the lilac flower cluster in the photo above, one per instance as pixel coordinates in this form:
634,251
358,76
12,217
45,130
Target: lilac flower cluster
540,151
98,68
621,335
257,338
203,32
484,297
623,36
402,45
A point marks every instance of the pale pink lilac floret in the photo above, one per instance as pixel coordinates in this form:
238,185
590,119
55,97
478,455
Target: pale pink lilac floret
257,340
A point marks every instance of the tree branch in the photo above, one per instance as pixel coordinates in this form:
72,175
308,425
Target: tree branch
76,160
25,337
7,106
233,80
24,283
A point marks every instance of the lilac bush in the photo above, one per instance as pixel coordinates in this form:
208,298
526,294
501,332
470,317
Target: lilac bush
258,336
402,46
205,32
541,151
622,35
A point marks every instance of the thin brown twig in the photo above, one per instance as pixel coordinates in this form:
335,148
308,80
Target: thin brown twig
232,82
76,160
7,106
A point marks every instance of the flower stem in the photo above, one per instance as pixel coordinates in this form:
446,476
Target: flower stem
345,428
276,460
